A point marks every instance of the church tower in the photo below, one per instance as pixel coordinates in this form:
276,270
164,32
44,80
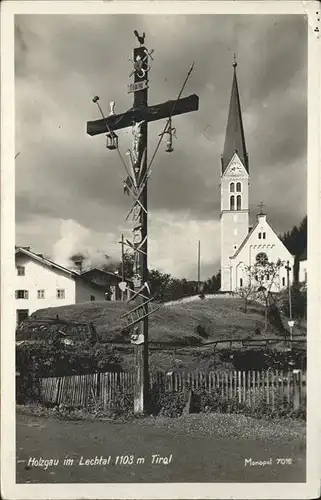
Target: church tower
234,187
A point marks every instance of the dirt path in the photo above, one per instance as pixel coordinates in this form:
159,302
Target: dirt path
194,457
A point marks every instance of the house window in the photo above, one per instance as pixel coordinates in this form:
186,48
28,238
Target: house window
283,281
262,259
238,202
241,282
92,297
260,236
238,187
232,202
60,293
232,187
21,270
40,294
264,235
22,294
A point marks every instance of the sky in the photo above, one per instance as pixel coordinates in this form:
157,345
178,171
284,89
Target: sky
69,187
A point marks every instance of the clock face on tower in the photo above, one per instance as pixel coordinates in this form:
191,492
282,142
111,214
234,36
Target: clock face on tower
235,168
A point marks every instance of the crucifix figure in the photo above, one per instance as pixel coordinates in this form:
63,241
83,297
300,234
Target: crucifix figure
138,117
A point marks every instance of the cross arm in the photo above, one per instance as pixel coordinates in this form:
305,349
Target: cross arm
149,114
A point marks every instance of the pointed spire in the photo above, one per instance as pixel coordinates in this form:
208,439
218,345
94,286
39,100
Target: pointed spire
234,138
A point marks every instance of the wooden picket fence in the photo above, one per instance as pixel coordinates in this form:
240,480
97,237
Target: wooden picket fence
243,387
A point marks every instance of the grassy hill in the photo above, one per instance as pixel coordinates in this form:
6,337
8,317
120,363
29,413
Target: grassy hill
220,318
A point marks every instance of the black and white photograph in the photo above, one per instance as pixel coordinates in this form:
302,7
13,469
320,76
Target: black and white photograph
163,198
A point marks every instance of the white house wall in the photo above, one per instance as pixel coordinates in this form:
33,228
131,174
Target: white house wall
271,246
303,270
41,277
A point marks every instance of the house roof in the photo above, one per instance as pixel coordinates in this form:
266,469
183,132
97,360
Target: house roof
52,265
43,260
102,271
248,236
234,137
245,240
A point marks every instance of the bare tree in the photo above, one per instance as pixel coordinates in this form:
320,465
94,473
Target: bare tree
248,291
262,285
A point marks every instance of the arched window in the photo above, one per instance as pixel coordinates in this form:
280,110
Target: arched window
232,202
238,187
262,259
232,187
238,202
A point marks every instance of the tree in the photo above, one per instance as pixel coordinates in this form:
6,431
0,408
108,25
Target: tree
262,277
266,276
128,266
213,284
159,283
249,290
296,242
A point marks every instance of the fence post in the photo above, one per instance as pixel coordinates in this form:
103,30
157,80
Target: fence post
296,391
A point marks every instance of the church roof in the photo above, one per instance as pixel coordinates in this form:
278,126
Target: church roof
234,137
246,239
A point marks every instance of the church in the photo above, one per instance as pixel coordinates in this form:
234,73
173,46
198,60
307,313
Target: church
243,246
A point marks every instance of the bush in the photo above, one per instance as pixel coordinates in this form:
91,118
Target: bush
167,404
37,360
56,359
259,408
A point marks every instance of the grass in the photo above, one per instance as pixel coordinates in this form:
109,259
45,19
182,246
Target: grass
221,318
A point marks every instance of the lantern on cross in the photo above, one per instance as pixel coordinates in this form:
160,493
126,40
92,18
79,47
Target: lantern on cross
112,140
170,132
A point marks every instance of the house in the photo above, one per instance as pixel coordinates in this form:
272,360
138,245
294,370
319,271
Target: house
303,267
41,283
108,280
243,246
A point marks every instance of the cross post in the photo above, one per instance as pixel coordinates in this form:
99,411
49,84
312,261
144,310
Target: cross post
288,269
138,118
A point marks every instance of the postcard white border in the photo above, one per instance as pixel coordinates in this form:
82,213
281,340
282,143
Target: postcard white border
11,490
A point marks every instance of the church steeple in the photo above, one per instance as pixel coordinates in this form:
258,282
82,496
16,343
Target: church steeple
234,138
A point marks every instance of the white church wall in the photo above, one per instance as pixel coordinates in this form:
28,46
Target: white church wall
263,239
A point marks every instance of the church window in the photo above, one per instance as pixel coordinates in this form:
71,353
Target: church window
238,202
264,235
241,282
232,202
262,259
238,187
283,281
260,235
232,187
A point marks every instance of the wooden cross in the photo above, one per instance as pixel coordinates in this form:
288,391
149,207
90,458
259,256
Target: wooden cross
138,117
143,113
260,206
